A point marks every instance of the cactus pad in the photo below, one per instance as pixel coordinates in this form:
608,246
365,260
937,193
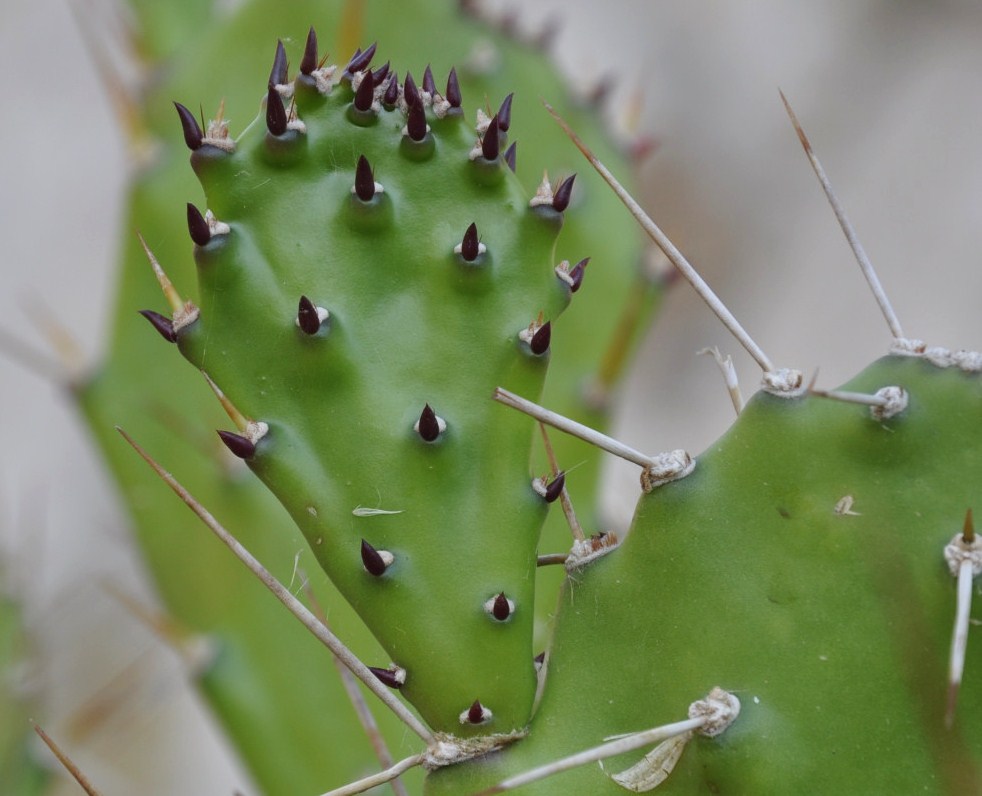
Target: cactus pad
830,618
370,269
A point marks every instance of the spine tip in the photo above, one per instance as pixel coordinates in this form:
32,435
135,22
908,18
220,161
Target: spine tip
416,122
240,446
309,61
555,488
491,143
276,120
307,317
374,561
278,74
453,89
564,191
192,130
364,180
504,114
365,95
197,226
429,84
162,324
510,155
541,339
360,60
428,426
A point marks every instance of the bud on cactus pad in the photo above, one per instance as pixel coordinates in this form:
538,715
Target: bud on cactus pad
348,308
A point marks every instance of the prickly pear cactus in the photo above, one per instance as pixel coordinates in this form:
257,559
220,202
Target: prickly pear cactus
800,566
264,675
391,271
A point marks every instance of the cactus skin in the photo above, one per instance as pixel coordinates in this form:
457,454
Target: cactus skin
834,630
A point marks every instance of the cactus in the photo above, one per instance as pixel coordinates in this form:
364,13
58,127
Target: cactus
264,674
726,561
799,565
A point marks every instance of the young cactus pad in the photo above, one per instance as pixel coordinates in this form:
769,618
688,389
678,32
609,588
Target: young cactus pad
369,270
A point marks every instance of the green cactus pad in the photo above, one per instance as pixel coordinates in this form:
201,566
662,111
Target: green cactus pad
832,627
343,305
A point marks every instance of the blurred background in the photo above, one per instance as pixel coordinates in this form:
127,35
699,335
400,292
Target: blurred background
886,89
